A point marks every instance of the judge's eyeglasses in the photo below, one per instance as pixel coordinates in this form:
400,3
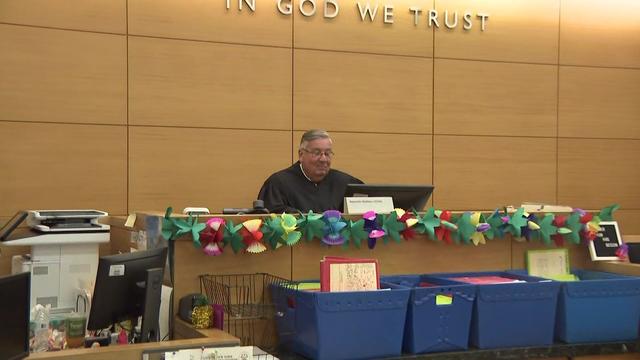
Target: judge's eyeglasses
318,153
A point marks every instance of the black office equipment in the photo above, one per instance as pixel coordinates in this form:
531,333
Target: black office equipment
14,313
128,286
406,197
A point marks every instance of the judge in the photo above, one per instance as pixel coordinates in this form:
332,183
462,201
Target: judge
310,183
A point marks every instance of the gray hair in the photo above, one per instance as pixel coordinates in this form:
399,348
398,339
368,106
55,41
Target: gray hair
311,135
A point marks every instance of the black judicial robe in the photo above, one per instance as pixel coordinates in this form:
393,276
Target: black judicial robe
288,190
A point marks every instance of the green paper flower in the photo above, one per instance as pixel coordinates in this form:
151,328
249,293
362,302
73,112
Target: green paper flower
291,238
291,235
465,228
547,229
232,236
272,230
311,225
196,228
516,222
497,225
169,228
606,214
427,223
574,224
354,231
392,227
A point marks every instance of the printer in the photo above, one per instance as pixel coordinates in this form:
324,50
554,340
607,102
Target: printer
64,253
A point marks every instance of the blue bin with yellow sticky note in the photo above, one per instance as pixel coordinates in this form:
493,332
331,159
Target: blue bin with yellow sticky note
600,306
510,310
340,325
438,315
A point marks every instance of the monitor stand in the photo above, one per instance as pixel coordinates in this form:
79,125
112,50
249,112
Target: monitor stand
150,331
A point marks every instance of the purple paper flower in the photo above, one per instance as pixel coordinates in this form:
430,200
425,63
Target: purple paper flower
580,211
482,227
332,225
623,251
372,227
526,231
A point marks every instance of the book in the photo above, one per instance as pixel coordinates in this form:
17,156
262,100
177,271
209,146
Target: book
348,274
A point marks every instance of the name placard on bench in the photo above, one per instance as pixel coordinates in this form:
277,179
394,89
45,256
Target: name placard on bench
361,204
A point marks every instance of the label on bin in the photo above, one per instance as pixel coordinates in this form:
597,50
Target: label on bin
444,299
116,270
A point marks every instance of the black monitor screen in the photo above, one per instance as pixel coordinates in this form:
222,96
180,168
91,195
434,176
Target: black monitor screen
406,197
119,292
14,314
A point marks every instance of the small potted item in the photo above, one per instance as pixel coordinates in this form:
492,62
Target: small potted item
202,313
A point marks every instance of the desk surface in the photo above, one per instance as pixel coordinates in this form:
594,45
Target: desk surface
611,350
213,338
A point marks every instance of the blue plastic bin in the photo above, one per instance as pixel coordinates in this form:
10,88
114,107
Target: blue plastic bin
341,325
600,307
512,314
431,327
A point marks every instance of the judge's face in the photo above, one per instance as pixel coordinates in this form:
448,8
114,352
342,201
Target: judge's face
316,158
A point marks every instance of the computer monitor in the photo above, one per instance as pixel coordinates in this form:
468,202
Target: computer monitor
14,314
405,197
128,286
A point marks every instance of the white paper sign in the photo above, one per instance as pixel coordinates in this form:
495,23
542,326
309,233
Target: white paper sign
116,270
360,204
218,353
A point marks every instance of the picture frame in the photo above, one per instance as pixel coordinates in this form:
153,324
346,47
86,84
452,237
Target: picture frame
548,263
606,242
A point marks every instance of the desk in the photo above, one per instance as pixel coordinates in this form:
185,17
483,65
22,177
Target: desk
213,338
184,330
596,351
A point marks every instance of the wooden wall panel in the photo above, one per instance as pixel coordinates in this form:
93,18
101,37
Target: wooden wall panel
188,83
482,173
377,158
202,167
361,92
629,221
347,31
58,75
91,15
599,102
578,254
600,34
418,255
594,173
55,166
484,98
516,30
210,20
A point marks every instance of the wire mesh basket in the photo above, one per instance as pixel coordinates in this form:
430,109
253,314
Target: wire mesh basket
248,309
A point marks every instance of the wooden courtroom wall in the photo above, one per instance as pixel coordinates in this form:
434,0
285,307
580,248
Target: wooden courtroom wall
127,105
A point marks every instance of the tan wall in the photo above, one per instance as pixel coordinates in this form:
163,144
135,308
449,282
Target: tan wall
184,103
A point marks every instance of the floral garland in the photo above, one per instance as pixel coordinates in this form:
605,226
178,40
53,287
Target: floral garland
253,236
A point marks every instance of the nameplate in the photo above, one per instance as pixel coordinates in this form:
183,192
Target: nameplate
360,204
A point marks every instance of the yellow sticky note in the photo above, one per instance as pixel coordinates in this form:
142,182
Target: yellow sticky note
444,299
131,220
309,286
